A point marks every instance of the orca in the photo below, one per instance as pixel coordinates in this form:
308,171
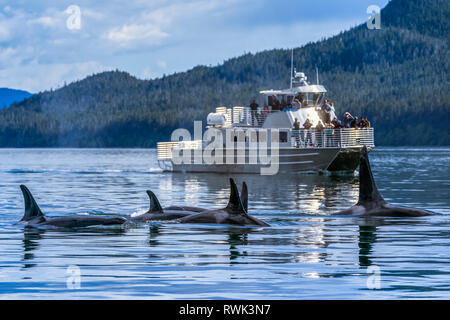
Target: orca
370,202
185,208
234,213
34,217
157,213
198,210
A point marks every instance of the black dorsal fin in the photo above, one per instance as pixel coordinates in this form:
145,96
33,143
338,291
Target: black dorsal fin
368,191
244,196
32,210
155,206
235,202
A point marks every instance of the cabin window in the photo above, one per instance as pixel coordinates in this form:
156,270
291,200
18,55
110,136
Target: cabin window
318,99
300,97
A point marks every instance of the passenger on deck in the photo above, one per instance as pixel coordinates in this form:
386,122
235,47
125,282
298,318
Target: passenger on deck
327,116
297,132
319,133
347,120
296,104
329,133
307,125
266,109
319,125
299,98
296,124
336,123
354,124
364,123
325,110
326,106
253,110
332,109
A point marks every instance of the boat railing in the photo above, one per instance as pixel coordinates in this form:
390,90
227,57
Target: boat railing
332,138
165,149
300,139
244,116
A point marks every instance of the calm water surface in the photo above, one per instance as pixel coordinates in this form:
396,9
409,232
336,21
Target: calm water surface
306,253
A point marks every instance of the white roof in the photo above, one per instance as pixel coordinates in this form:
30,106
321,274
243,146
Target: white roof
315,88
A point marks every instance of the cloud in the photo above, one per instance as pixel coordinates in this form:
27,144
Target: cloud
4,33
150,38
44,21
38,77
152,34
161,64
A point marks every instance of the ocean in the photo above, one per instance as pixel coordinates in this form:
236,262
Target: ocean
307,253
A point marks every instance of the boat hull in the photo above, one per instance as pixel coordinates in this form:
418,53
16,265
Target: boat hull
289,160
346,160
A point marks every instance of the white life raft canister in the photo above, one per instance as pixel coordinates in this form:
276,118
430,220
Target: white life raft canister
216,119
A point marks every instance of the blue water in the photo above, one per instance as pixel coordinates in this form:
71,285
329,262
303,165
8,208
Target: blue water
306,253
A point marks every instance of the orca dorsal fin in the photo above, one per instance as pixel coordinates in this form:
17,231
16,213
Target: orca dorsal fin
155,206
244,196
32,210
235,202
368,191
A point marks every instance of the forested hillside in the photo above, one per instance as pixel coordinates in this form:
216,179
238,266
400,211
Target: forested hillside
397,76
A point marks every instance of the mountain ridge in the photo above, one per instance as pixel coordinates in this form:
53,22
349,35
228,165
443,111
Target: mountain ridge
8,96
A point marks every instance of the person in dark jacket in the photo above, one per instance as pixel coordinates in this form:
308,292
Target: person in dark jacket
297,132
253,110
319,134
275,104
364,123
336,123
347,120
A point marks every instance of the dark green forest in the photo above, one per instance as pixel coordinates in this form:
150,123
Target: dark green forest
397,76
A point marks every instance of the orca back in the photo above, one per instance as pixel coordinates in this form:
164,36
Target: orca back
155,206
32,210
235,204
244,196
368,191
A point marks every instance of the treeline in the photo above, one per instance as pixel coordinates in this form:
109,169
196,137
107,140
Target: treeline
397,76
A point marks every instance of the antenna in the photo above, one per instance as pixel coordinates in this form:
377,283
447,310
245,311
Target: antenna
317,75
292,65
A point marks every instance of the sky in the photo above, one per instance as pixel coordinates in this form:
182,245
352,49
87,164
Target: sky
45,44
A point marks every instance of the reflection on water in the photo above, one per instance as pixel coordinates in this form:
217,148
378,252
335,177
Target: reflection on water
31,237
306,253
367,238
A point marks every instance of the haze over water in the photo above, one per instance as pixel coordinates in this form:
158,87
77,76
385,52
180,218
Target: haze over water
306,253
